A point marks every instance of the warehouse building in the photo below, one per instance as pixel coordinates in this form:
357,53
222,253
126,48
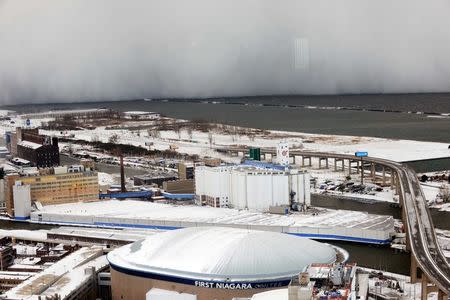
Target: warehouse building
212,262
252,185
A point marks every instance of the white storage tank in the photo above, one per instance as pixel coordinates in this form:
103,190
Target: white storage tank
251,187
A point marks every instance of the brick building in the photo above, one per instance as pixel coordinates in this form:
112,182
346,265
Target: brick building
27,143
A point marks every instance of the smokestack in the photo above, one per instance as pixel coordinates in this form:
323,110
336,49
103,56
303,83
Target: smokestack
122,174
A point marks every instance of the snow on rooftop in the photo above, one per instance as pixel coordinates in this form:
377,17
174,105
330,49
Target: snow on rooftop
111,234
281,294
157,293
34,286
29,144
76,278
222,253
141,211
11,275
33,235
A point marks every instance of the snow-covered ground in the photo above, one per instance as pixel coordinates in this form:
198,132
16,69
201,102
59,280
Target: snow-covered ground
327,181
105,179
198,143
444,240
432,191
204,143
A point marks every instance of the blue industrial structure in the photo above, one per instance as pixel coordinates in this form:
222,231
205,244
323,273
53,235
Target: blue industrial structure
178,196
142,194
263,165
146,195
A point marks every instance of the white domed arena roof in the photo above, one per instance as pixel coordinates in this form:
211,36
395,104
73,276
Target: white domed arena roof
220,254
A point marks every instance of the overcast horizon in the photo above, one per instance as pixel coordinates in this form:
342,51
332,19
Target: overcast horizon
59,51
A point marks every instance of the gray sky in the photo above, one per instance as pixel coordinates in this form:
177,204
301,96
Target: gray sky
61,50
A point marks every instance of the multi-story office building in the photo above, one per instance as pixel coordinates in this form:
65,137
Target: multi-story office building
59,187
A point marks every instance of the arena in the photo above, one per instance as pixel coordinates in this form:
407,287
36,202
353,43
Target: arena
212,262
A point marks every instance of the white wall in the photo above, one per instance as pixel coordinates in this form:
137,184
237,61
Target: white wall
2,193
22,201
251,189
159,294
300,184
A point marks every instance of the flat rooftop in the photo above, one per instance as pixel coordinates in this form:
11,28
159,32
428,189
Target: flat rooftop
57,278
141,211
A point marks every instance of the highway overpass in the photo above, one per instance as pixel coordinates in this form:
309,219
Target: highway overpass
428,263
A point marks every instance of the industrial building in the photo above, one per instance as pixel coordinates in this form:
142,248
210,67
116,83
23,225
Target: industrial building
55,282
321,282
3,152
212,262
26,143
186,186
49,186
252,185
141,115
155,178
327,224
185,171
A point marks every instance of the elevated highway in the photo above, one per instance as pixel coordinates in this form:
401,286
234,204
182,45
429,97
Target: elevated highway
428,263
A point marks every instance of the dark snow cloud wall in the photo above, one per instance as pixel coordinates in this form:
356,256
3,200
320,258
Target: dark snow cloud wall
61,50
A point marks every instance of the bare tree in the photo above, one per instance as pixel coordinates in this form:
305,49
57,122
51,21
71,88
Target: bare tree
189,132
95,138
153,132
210,138
177,130
444,192
113,139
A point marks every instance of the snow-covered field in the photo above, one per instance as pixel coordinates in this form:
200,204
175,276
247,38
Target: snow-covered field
326,180
204,143
398,150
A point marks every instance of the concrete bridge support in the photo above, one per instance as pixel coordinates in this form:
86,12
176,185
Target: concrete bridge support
427,287
306,158
320,162
350,167
336,160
